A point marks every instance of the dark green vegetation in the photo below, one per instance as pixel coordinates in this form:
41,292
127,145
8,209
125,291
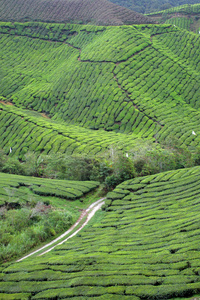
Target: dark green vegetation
35,209
144,245
129,79
184,16
109,168
145,7
101,12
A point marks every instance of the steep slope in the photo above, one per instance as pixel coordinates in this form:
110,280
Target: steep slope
142,80
183,16
25,132
144,245
75,11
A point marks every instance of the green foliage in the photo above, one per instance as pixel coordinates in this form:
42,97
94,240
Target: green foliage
18,296
110,168
13,166
106,95
21,229
112,180
122,169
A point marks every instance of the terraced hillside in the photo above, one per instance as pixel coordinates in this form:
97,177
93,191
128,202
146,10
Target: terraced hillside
13,192
187,9
144,245
24,131
183,16
138,80
181,22
75,11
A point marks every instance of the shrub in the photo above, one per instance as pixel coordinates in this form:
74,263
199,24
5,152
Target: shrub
112,181
13,166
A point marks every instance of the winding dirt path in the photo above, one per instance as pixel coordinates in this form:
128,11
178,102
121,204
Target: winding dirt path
88,213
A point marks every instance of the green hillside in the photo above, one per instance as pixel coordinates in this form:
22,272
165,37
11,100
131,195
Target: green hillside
186,9
25,132
41,187
183,16
137,80
181,22
143,245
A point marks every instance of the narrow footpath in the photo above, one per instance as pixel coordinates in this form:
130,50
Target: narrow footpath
88,213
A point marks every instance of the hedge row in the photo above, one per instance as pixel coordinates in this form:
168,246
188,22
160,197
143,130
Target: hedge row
185,46
18,190
180,22
24,132
165,81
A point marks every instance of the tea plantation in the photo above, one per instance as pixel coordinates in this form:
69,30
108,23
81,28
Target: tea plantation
126,100
142,80
143,245
180,22
184,16
184,9
24,131
15,190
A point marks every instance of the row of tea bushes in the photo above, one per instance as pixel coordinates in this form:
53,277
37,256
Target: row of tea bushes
51,31
25,132
99,44
143,245
16,190
184,45
164,98
180,22
115,44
